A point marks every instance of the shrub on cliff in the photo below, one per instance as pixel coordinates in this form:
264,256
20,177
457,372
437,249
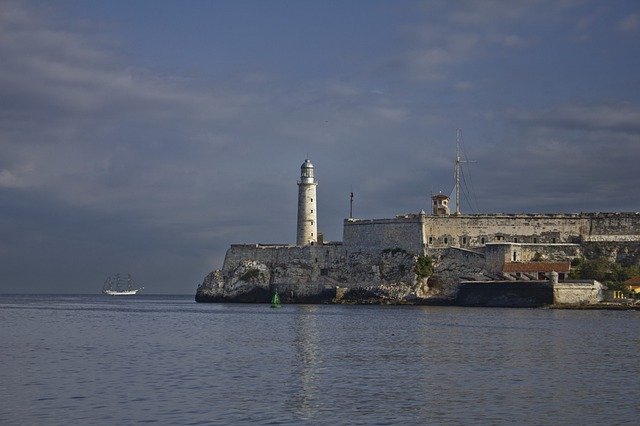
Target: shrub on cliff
424,266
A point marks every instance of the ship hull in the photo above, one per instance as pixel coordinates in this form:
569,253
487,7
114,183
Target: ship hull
120,293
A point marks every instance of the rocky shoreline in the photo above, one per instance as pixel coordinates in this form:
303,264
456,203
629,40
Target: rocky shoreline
610,306
379,297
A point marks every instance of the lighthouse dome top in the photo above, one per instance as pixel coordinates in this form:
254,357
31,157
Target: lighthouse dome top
306,172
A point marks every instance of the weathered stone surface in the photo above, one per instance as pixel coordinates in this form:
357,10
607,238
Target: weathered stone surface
300,276
376,261
626,253
578,292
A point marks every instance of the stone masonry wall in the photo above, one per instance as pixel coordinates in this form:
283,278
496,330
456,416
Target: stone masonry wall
309,260
377,257
477,230
375,235
497,254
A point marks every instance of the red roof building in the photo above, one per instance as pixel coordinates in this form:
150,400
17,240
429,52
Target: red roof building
539,270
633,284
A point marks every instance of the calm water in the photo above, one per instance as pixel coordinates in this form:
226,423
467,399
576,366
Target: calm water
102,360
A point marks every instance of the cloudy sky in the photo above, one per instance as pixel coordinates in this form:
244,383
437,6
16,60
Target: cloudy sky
147,136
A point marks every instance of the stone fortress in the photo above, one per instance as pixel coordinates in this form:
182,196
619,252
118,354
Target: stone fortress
376,260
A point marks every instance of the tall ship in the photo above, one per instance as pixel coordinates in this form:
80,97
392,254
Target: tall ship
116,285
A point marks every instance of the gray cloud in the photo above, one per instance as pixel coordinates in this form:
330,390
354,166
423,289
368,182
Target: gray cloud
622,117
106,166
630,24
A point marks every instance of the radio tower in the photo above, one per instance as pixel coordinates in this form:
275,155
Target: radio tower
458,162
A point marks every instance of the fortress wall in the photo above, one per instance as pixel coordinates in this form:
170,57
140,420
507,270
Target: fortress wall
310,257
547,252
476,230
497,254
576,292
616,226
378,234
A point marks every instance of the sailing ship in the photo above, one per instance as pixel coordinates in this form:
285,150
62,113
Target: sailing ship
115,285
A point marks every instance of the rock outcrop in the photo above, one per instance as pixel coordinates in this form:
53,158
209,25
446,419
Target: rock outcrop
359,277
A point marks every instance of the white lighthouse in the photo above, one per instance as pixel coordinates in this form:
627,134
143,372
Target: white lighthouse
307,213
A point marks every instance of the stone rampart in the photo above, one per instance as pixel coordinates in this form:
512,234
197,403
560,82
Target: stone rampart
312,257
480,229
475,230
578,292
377,256
375,235
311,274
497,254
610,224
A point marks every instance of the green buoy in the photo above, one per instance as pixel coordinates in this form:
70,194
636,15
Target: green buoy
275,300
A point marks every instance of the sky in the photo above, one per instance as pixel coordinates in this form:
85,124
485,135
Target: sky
146,137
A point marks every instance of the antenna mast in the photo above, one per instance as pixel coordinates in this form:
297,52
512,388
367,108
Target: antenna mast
458,162
351,206
458,131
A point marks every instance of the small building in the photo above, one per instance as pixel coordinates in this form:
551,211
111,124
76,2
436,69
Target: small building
633,284
537,270
440,203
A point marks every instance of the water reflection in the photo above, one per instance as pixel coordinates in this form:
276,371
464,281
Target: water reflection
120,362
307,360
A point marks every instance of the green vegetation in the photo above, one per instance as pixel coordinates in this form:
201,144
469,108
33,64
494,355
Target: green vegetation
424,266
251,273
611,274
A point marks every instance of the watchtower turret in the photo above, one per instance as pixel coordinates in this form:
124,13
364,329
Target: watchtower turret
307,212
440,204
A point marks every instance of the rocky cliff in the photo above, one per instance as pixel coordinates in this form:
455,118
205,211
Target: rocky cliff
339,277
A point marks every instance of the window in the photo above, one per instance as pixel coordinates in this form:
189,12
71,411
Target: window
535,241
311,211
430,240
312,224
446,240
464,240
312,234
482,240
515,240
312,200
553,240
515,257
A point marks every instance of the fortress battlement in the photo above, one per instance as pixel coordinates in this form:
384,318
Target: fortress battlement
380,256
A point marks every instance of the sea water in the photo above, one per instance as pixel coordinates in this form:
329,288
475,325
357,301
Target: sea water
169,360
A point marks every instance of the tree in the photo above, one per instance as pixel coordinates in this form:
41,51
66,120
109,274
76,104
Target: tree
611,274
424,266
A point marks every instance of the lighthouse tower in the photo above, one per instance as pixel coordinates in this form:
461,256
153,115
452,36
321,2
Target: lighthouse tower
307,213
